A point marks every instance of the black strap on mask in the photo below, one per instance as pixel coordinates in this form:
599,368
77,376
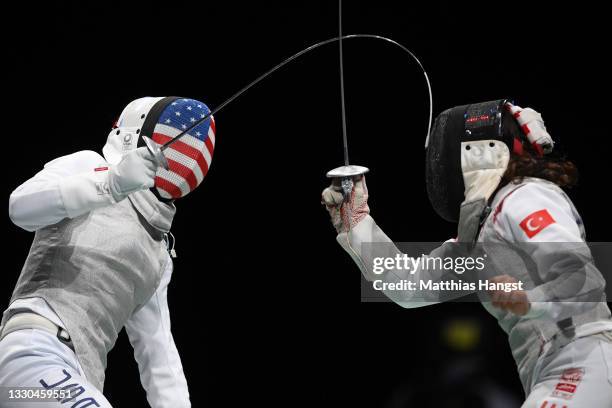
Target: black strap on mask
148,128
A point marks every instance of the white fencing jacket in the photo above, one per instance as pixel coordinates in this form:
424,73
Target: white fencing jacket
96,266
536,216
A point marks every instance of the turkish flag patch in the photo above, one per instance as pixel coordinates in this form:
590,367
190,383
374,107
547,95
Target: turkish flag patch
536,222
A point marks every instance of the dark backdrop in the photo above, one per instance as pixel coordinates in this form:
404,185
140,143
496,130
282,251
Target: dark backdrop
265,305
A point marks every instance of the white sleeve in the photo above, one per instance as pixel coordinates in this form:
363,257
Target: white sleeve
366,242
541,221
65,188
159,363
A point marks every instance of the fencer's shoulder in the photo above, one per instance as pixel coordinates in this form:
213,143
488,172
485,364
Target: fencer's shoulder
534,204
534,192
532,196
77,160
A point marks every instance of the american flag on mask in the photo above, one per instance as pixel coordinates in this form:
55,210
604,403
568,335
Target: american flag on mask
190,157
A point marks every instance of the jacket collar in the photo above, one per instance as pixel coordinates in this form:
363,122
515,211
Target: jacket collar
158,214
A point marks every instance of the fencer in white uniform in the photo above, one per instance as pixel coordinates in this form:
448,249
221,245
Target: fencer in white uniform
560,332
100,261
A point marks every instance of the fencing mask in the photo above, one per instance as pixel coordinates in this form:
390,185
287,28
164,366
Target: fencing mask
467,153
162,119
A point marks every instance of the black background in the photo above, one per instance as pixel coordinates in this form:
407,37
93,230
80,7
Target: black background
265,305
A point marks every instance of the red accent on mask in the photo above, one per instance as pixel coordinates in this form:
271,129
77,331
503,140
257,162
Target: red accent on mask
517,146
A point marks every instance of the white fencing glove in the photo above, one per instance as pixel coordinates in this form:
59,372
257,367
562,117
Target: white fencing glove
533,127
135,172
345,215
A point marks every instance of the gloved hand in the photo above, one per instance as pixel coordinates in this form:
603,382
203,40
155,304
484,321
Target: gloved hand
533,127
345,215
136,171
515,301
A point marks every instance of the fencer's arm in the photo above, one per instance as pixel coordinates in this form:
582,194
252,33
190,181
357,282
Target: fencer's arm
571,283
65,188
73,185
379,245
367,232
159,363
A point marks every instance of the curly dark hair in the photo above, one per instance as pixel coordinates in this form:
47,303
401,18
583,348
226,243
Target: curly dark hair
554,168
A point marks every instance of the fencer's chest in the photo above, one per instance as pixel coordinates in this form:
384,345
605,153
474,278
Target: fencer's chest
113,249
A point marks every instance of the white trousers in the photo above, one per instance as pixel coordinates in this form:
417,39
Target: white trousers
578,375
36,358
